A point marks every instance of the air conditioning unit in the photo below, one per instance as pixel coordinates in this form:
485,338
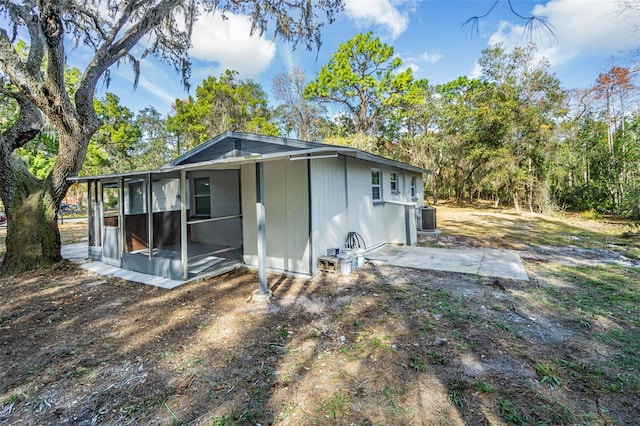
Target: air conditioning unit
428,219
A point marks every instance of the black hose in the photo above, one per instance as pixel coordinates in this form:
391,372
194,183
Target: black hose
354,240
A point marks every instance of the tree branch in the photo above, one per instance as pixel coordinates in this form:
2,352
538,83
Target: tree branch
534,23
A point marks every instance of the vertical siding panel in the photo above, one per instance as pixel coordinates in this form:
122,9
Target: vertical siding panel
297,217
328,205
286,211
275,203
249,226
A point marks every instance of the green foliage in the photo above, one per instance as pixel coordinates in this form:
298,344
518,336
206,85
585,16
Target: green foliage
221,104
8,112
417,363
158,146
494,136
590,214
40,153
364,77
116,146
510,413
547,375
482,386
336,404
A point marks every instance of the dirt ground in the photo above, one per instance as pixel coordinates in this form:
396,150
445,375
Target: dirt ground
383,346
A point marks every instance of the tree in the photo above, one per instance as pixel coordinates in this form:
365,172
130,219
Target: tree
116,146
613,91
471,128
527,102
159,145
364,77
111,29
40,153
220,105
296,112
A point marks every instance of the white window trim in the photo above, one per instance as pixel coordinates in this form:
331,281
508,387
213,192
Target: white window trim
378,185
197,196
414,187
395,181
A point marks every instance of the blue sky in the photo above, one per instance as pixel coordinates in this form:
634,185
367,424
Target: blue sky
427,35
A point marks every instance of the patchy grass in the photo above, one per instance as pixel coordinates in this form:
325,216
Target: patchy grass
382,346
498,228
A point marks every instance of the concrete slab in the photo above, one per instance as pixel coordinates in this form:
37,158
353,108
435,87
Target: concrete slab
74,252
502,263
484,261
114,271
78,253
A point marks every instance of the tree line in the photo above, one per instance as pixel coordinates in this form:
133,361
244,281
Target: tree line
513,135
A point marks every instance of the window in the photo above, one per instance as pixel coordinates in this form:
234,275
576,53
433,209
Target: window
110,199
202,195
376,190
393,177
413,187
136,198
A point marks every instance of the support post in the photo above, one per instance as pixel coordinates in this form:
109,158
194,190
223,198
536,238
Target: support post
407,224
150,215
90,217
121,223
262,241
183,225
100,207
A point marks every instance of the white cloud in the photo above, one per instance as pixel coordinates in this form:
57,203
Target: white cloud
413,66
414,61
582,27
476,72
154,83
158,90
227,44
430,58
378,12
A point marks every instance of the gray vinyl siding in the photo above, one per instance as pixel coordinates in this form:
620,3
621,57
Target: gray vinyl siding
329,203
366,217
287,215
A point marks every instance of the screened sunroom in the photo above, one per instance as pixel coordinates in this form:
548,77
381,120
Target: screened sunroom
135,221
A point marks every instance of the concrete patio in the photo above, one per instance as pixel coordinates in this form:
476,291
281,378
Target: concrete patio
481,261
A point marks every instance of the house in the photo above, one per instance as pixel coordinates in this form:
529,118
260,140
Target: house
241,198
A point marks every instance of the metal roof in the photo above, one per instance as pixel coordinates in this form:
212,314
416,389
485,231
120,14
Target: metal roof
300,150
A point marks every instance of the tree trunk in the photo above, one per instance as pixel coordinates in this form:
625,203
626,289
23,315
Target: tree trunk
434,187
460,192
516,203
33,239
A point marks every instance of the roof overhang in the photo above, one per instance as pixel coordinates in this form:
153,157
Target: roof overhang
235,162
